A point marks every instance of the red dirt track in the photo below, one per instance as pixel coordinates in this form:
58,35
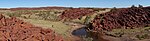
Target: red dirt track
122,18
12,29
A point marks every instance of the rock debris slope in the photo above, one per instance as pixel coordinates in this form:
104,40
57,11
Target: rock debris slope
12,29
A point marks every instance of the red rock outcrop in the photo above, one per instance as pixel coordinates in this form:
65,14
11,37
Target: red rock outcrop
12,29
75,13
122,18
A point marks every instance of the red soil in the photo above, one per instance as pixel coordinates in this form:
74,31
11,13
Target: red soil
12,29
122,18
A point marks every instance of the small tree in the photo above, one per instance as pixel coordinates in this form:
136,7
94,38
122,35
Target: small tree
140,6
133,6
114,9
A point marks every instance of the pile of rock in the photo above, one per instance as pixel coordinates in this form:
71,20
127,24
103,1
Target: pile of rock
12,29
75,13
122,18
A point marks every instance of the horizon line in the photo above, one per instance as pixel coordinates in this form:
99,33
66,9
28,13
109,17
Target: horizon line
70,6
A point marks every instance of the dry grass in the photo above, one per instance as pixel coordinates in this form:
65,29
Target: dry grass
58,27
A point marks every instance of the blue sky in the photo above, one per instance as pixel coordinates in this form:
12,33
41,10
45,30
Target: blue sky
72,3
